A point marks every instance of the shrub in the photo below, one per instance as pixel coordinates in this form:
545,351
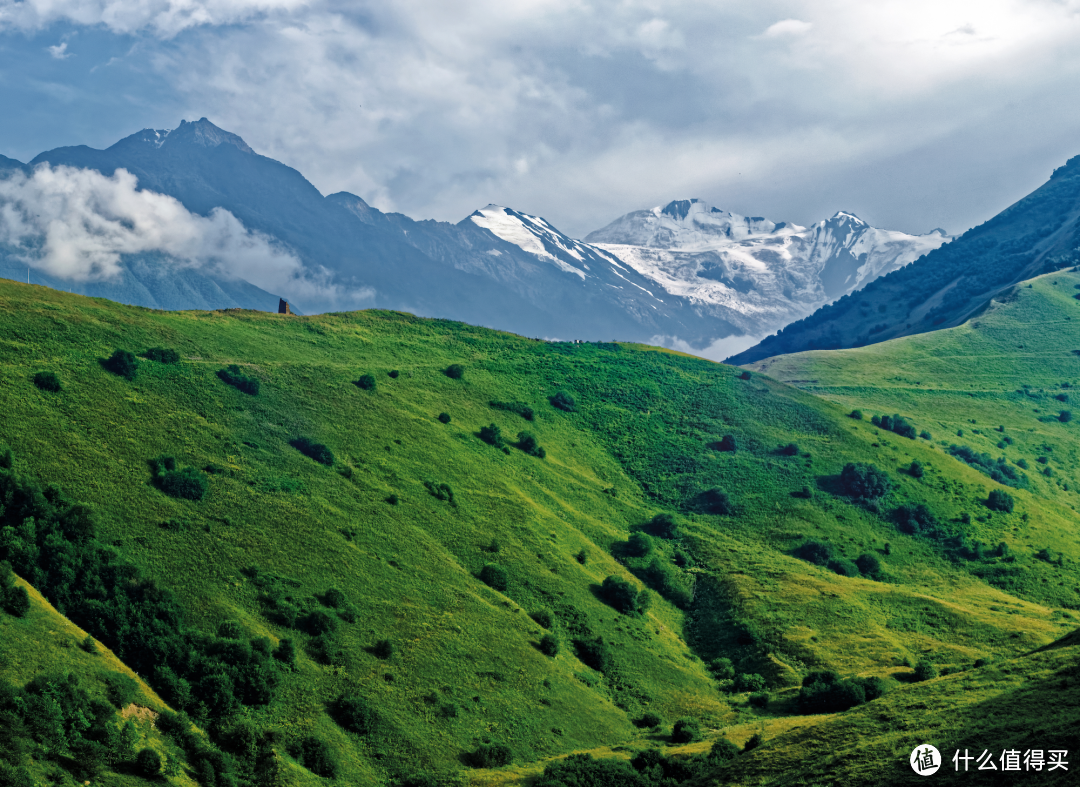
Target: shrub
543,618
549,645
88,645
490,434
317,623
17,602
754,741
188,484
749,681
366,382
924,670
317,451
1065,416
495,577
285,652
528,444
856,414
925,435
824,692
383,649
639,545
518,408
317,756
791,449
663,526
563,401
648,721
353,713
815,552
47,381
727,443
455,371
722,669
335,598
440,491
594,653
7,458
869,566
621,595
444,418
686,731
123,364
489,756
843,567
1000,500
715,501
230,629
759,699
232,375
582,557
162,355
744,376
864,481
916,470
148,762
723,750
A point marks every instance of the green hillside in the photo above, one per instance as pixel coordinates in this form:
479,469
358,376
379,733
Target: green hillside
288,484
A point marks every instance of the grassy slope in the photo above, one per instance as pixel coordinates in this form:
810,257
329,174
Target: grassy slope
638,445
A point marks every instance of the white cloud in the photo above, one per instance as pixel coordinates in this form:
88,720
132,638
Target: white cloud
79,225
788,28
59,51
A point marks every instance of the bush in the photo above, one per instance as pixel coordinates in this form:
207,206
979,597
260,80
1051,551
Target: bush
317,756
549,645
440,491
393,374
1065,416
723,750
317,451
1000,500
755,741
843,567
491,435
727,443
824,692
856,414
648,721
715,501
916,470
759,699
383,649
563,401
528,444
869,566
495,577
317,623
864,481
518,408
722,669
749,681
123,364
925,435
162,355
455,371
366,382
543,618
791,449
663,526
285,652
639,545
47,381
492,756
353,713
232,375
17,602
621,595
148,762
916,519
686,731
187,484
814,552
444,418
924,670
594,653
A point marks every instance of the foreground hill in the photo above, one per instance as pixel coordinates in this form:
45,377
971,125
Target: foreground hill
303,532
950,284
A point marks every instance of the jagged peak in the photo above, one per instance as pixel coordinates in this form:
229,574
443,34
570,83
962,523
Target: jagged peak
205,134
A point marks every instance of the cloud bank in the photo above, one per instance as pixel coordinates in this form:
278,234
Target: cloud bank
79,225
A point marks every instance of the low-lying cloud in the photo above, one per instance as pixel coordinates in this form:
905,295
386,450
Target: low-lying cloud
79,225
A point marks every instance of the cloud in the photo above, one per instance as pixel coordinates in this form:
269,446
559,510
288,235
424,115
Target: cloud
79,225
717,351
788,28
59,51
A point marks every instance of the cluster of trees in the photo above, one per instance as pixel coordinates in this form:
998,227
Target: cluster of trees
822,554
1000,471
648,768
824,692
13,598
624,597
895,423
865,481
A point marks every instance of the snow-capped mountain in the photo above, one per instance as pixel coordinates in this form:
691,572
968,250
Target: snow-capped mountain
752,272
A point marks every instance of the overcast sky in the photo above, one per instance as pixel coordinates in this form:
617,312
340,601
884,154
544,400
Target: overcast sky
912,114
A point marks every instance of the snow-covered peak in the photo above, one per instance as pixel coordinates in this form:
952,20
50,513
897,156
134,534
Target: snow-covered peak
534,235
687,224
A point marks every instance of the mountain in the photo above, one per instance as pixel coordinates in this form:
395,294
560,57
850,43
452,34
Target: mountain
364,567
752,272
951,284
685,275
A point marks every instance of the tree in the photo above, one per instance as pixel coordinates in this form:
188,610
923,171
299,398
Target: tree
47,381
354,714
621,595
455,371
1065,416
722,669
383,649
491,435
444,418
864,481
647,721
563,401
285,652
317,451
594,653
18,602
528,443
663,526
123,364
791,449
869,566
366,382
749,681
856,414
924,670
148,762
916,469
188,484
162,355
549,645
686,731
1000,500
639,545
716,501
727,443
495,577
543,618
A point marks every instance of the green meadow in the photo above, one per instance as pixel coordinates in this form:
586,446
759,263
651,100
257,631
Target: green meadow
362,486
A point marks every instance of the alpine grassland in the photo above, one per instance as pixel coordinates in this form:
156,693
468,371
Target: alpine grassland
362,585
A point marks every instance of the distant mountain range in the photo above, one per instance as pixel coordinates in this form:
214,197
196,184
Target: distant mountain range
686,274
1038,234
